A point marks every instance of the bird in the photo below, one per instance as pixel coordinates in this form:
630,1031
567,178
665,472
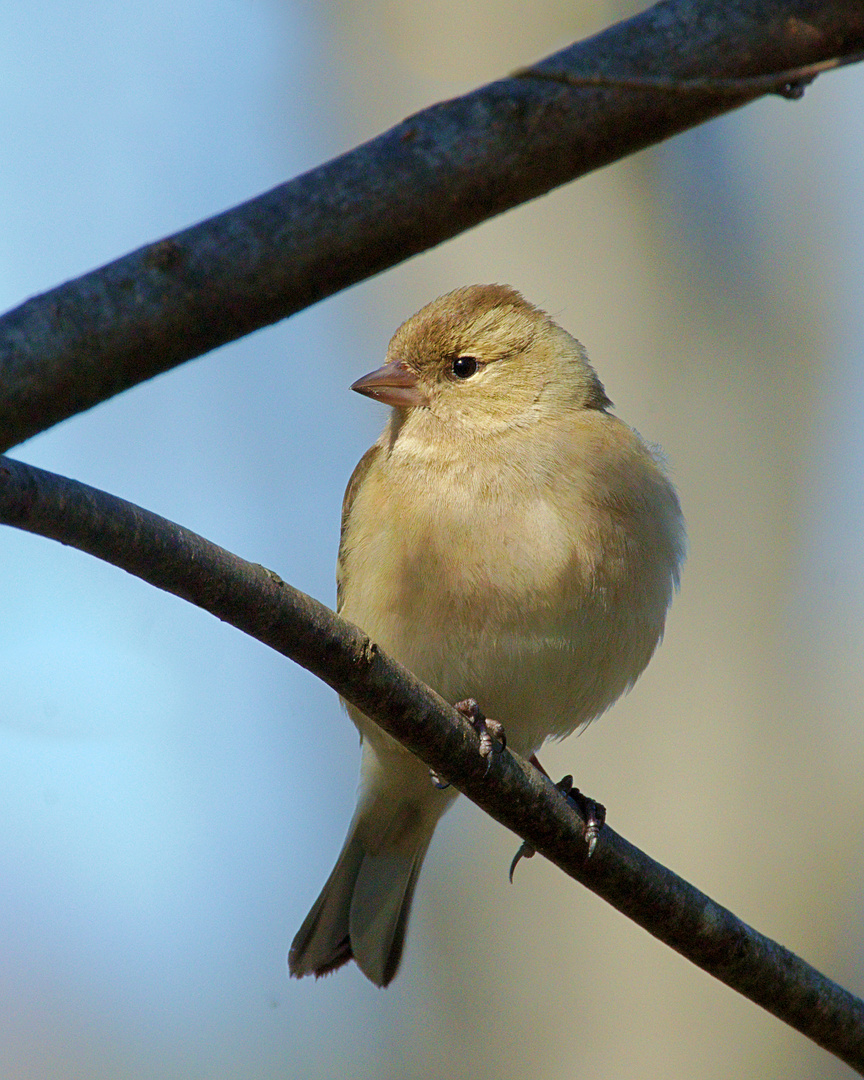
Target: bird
509,540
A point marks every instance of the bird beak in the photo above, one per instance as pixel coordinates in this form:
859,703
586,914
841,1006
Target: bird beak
394,384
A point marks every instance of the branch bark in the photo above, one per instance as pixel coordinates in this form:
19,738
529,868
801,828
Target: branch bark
427,179
258,602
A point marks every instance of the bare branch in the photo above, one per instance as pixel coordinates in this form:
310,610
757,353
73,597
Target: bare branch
789,84
258,602
428,179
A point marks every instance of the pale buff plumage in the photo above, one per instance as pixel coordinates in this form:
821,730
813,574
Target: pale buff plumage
507,539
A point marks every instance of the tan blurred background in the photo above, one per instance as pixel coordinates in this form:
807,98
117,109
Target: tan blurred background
703,281
174,797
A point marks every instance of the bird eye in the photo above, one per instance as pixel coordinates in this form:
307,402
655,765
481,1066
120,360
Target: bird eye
464,367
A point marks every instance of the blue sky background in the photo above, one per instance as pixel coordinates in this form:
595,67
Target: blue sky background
144,756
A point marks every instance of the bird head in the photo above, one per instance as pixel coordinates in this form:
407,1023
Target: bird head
483,357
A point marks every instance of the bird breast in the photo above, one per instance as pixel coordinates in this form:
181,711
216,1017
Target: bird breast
525,588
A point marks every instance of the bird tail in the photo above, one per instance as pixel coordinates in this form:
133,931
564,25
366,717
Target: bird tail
362,912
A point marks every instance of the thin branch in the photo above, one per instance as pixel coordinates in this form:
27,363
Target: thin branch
788,84
258,602
429,178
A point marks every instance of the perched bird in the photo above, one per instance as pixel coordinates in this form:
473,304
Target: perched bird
506,538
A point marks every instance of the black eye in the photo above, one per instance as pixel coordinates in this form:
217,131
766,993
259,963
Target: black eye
464,367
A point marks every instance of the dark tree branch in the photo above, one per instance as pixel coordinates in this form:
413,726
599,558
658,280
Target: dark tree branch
258,602
428,179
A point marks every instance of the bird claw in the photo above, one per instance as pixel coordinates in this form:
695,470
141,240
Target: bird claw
490,732
437,781
524,852
595,818
593,812
486,728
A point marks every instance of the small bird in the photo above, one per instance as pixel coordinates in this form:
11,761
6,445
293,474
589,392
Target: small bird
509,540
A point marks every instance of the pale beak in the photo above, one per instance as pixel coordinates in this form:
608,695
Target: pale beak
394,384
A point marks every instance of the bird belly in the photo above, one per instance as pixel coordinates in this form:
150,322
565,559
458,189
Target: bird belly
506,619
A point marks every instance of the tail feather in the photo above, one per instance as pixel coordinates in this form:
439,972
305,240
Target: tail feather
362,912
322,944
380,907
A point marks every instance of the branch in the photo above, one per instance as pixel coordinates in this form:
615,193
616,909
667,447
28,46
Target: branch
429,178
789,84
258,602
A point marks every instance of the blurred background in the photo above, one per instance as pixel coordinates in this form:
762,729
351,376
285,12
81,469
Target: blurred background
172,795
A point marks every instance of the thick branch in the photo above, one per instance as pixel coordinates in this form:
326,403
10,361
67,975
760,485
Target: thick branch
428,179
258,602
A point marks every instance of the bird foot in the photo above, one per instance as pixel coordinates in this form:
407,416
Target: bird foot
486,728
593,812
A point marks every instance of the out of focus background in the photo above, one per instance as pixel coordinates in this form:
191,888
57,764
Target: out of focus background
172,795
